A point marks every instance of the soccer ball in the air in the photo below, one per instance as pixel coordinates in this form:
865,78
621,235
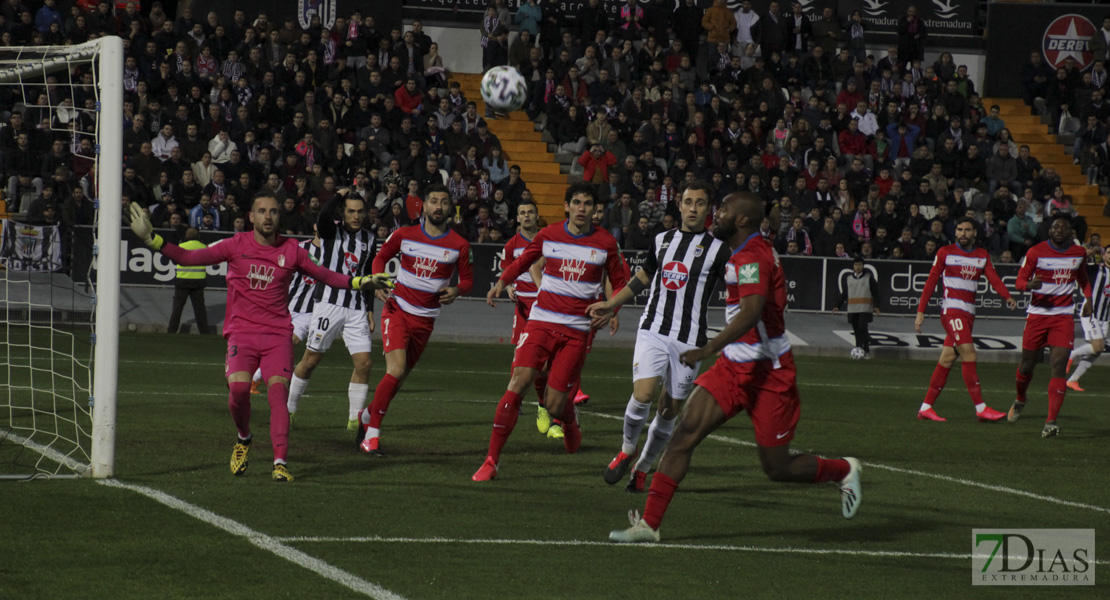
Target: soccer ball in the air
858,353
504,89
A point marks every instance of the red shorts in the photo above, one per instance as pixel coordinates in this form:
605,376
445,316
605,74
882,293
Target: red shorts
542,344
1048,330
402,331
521,309
957,325
272,351
770,397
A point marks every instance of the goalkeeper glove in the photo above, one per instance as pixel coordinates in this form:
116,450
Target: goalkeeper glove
376,281
142,228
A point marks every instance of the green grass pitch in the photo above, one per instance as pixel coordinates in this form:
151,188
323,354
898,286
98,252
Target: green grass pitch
741,535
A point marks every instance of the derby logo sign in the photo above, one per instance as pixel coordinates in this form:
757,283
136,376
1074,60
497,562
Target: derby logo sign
1069,36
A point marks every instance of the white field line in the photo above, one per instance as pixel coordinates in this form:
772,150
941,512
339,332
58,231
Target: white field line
373,539
627,377
261,540
739,442
948,478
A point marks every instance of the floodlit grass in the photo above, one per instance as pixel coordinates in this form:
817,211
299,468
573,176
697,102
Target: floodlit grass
78,539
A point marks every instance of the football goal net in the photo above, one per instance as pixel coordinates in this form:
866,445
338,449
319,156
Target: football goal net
61,130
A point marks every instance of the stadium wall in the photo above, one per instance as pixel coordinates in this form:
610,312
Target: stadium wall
901,282
1055,30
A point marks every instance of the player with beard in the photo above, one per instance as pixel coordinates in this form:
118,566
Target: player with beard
258,330
1051,271
431,254
755,373
959,266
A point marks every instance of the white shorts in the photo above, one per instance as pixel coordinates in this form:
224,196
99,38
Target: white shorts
328,321
657,356
1093,329
301,322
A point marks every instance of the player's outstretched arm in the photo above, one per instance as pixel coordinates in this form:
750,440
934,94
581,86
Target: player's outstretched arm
751,311
935,274
201,257
637,284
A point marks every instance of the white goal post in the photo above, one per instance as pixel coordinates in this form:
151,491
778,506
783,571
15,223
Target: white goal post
23,69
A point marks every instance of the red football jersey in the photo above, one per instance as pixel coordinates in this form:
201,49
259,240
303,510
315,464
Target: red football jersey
573,274
1061,271
960,269
525,287
427,264
754,269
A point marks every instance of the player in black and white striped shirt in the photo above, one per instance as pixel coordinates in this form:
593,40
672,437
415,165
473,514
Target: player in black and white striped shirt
347,248
301,298
683,268
1094,326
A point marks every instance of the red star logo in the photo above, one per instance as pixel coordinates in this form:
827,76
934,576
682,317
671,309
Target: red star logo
1069,36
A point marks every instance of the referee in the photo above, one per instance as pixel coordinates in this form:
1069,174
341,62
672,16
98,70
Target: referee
1094,326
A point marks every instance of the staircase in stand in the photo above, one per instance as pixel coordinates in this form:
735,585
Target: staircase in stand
523,146
1030,130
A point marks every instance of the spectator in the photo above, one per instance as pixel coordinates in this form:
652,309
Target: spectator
596,163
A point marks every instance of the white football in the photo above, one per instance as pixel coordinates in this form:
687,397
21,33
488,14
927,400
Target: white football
504,89
858,353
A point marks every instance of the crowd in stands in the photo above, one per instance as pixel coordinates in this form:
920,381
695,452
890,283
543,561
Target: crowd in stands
853,154
215,112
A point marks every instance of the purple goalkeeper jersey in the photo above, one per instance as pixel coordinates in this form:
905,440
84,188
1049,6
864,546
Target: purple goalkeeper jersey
257,279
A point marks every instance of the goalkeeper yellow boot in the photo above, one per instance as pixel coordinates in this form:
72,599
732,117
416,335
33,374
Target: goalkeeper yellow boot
543,420
352,424
239,457
281,473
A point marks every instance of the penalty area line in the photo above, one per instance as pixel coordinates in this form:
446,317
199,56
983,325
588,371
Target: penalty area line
938,476
261,540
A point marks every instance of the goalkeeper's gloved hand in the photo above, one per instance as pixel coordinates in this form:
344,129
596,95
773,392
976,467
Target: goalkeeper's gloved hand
142,228
376,281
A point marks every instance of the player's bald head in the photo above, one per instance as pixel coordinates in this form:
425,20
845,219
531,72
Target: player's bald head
746,204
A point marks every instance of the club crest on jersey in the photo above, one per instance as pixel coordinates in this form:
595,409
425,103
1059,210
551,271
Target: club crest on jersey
593,255
969,272
350,261
260,276
675,275
572,269
748,273
446,255
699,251
281,260
424,266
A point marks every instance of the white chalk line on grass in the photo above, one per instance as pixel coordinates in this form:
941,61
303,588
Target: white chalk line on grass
261,540
374,539
948,478
739,442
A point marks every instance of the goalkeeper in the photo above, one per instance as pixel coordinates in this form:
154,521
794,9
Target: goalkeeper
257,325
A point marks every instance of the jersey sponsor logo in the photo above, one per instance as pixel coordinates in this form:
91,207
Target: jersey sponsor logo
748,273
1069,36
969,272
309,281
573,269
260,276
350,261
424,266
675,275
1061,275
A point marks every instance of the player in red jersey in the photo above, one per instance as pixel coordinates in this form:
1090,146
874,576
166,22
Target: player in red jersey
257,327
959,266
578,258
756,373
431,254
1051,271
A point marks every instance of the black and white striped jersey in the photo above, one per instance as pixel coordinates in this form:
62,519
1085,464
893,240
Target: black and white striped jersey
1100,294
350,254
684,268
302,290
